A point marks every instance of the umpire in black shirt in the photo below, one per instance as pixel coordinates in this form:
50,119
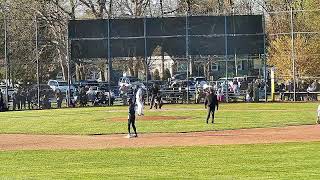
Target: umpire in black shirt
154,93
132,118
211,103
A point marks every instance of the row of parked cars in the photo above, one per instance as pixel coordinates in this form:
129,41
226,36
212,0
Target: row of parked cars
179,81
174,82
54,85
93,87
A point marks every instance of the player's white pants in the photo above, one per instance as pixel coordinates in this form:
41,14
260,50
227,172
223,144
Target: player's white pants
140,107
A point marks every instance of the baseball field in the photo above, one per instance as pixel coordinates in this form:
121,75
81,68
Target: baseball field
248,141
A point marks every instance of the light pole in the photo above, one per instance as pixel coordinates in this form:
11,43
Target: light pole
3,8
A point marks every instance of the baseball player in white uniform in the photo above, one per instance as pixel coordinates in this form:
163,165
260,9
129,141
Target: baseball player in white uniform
318,120
139,101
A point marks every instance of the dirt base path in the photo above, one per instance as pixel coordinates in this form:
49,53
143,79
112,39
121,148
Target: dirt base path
244,136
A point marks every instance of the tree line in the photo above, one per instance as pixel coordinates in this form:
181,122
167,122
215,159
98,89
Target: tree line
48,19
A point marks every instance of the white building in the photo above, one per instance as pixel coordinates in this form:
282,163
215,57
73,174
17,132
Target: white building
157,63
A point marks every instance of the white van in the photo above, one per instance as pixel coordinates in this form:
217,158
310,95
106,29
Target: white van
62,85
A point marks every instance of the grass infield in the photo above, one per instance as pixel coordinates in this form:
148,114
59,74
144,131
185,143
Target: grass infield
269,161
99,120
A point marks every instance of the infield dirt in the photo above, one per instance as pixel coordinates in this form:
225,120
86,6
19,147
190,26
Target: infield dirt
305,133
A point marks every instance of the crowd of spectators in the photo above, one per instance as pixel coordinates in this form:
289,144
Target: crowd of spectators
305,90
238,89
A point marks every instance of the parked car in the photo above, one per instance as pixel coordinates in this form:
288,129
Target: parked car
127,81
93,90
200,82
62,85
88,83
181,76
44,89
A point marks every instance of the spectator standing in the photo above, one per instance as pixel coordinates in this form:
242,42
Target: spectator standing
220,94
97,101
18,99
1,102
46,102
290,89
244,85
235,86
250,92
282,89
29,98
14,100
256,91
90,93
83,97
184,94
313,88
23,99
198,95
59,97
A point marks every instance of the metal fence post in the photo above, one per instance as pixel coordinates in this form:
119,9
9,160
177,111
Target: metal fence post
226,56
37,61
146,54
109,62
292,55
6,60
187,54
68,69
265,58
69,83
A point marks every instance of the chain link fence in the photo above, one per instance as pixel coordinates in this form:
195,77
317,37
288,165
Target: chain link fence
38,72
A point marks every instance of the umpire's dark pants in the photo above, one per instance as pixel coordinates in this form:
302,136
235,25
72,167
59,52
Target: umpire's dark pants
152,100
59,103
211,110
132,121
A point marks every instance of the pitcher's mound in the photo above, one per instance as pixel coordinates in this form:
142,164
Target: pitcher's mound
153,118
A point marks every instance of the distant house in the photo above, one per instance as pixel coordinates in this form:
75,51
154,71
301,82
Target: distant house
157,63
214,67
239,66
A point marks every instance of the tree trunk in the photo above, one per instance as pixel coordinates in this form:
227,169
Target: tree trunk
136,68
131,68
80,74
63,64
162,63
206,69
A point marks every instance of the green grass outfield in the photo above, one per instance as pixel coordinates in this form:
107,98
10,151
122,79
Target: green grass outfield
99,120
264,161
